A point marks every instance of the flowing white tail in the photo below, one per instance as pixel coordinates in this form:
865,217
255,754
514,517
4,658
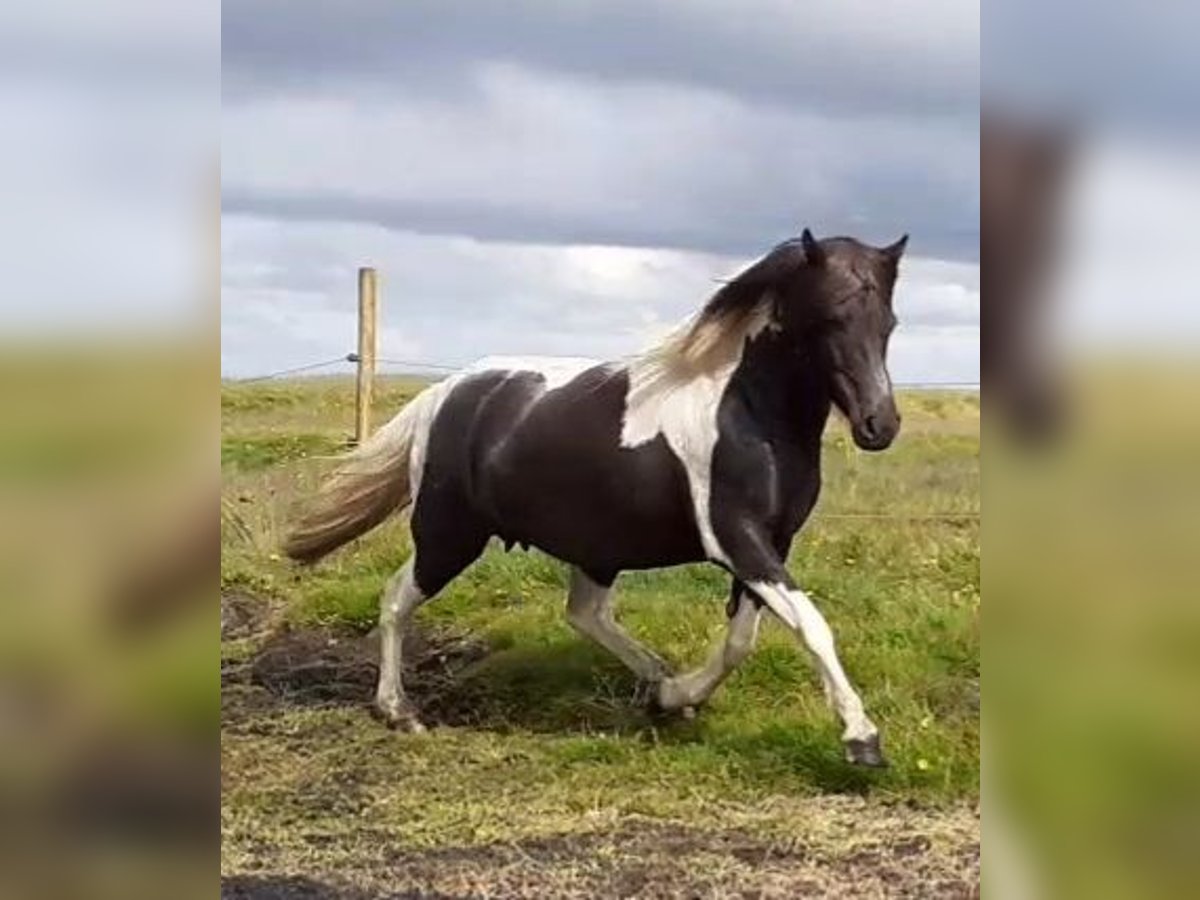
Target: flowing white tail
373,481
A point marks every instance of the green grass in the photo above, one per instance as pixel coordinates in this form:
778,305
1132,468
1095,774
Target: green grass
246,454
555,740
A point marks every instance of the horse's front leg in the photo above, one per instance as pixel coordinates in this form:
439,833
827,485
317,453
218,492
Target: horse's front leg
760,567
693,688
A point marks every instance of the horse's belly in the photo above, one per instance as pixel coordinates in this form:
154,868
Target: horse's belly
562,482
602,531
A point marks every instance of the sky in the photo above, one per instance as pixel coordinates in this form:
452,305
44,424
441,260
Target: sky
565,177
573,178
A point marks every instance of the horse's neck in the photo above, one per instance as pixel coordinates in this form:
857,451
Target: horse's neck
785,391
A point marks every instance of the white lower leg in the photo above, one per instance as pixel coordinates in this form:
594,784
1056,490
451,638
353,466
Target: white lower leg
400,599
697,686
798,612
589,610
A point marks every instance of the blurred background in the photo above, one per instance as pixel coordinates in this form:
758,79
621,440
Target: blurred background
109,707
109,364
1090,181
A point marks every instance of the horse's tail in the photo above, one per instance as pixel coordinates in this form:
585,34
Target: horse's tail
372,482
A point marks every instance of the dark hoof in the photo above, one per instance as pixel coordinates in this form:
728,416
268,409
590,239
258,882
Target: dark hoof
866,752
645,693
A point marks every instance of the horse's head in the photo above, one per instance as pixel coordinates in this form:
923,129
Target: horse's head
837,303
850,322
830,301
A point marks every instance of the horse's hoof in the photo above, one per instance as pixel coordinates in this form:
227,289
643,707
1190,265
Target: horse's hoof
410,725
866,752
403,720
646,693
662,704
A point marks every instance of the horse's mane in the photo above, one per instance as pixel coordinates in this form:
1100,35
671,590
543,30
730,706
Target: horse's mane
712,340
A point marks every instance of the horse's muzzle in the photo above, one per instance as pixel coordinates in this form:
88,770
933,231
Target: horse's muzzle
877,430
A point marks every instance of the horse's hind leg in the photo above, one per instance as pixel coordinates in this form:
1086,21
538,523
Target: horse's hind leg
400,600
433,565
589,610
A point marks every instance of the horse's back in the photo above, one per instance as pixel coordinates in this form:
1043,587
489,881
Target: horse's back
539,459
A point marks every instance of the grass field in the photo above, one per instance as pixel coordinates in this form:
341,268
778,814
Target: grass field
545,777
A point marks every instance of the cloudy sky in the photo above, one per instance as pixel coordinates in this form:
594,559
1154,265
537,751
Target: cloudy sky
563,177
570,178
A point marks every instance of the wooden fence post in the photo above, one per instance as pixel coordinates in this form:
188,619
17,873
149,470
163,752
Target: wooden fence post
368,309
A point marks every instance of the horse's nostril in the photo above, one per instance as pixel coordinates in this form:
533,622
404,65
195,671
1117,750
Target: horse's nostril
871,426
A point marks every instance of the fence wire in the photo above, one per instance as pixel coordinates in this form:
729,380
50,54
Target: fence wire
966,517
415,365
282,373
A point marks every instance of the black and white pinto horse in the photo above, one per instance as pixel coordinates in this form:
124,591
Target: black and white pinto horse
707,447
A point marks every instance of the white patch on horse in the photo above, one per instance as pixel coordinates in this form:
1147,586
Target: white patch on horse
697,686
557,370
589,610
797,611
883,381
679,402
686,416
400,600
419,423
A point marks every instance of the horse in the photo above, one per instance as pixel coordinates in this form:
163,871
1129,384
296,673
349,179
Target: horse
706,447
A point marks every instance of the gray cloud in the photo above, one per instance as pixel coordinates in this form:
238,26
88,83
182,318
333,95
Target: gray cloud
568,178
290,298
834,55
535,156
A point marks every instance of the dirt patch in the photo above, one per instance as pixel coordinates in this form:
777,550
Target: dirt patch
652,860
242,615
326,666
255,887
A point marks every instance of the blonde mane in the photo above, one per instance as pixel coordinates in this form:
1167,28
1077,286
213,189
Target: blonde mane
711,343
686,373
705,345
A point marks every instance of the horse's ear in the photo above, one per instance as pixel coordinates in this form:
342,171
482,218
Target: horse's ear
896,250
814,253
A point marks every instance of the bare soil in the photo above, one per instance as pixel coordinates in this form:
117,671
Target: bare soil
294,667
652,860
